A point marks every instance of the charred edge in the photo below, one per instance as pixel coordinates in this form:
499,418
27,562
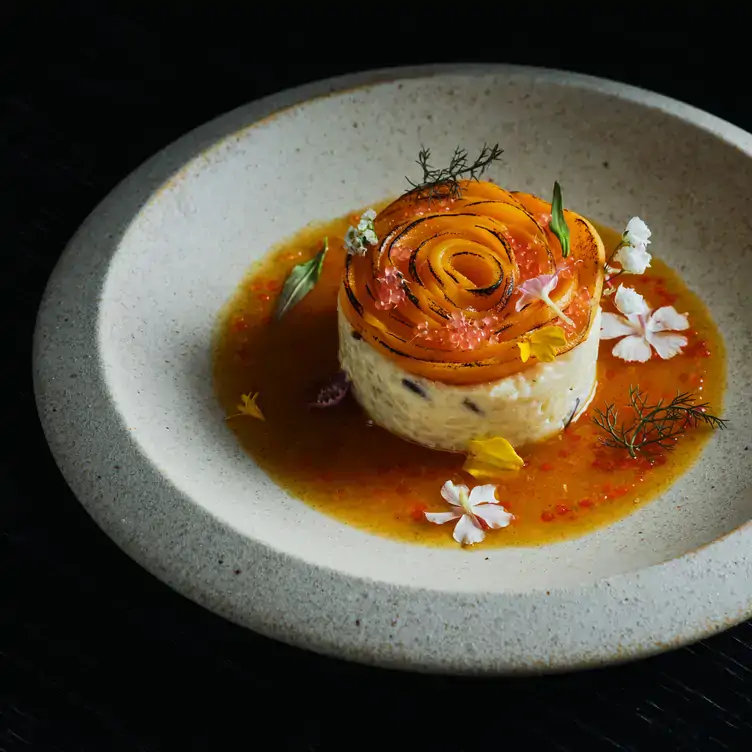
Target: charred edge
574,412
487,201
411,296
449,366
495,286
370,292
516,204
400,320
439,282
415,388
470,405
413,269
356,335
467,253
413,258
503,329
438,310
505,298
394,350
504,244
410,226
354,302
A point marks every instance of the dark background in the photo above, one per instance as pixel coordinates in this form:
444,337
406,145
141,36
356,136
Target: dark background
95,654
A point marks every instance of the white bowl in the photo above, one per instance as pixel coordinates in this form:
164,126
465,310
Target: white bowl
123,372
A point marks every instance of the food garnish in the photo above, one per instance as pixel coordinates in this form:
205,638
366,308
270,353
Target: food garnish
248,406
487,458
538,288
301,280
390,289
642,328
542,344
357,239
440,183
333,392
475,510
558,224
653,425
446,295
437,296
632,253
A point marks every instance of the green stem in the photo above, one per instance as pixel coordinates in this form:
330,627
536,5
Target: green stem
550,303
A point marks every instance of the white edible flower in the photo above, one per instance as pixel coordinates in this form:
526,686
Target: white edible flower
470,507
643,329
365,233
632,252
634,259
637,233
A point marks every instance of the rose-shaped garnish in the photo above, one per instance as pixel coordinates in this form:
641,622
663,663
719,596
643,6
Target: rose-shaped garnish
458,266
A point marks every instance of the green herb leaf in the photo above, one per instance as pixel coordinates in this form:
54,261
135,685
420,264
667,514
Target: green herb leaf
301,281
558,223
439,183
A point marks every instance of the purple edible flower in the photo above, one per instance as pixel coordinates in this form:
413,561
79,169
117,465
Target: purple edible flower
333,392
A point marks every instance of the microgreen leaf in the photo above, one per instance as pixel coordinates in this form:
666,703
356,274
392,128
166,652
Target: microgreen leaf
558,224
301,281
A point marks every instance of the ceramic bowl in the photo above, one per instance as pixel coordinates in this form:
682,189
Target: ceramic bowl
123,348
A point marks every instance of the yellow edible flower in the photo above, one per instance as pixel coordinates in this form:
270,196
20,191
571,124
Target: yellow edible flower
489,457
542,344
248,407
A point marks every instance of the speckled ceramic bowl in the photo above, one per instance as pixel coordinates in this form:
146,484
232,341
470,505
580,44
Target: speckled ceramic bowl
123,377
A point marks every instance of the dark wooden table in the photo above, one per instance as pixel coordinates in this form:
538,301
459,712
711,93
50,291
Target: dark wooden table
95,654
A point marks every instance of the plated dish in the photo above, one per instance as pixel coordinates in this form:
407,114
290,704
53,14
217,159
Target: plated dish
179,304
537,366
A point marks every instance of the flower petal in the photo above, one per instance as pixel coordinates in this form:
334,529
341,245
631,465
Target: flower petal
483,495
666,344
537,288
493,515
636,232
633,348
524,346
482,470
549,285
249,406
628,301
489,457
634,259
667,319
613,325
467,532
544,342
439,518
451,493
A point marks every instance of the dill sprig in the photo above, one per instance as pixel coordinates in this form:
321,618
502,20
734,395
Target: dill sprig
654,425
438,183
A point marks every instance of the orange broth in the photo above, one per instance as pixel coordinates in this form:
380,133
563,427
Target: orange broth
341,464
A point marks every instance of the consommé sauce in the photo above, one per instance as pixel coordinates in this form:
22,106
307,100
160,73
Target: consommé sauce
341,464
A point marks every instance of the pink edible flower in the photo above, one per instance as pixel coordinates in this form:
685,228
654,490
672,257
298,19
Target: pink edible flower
539,288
